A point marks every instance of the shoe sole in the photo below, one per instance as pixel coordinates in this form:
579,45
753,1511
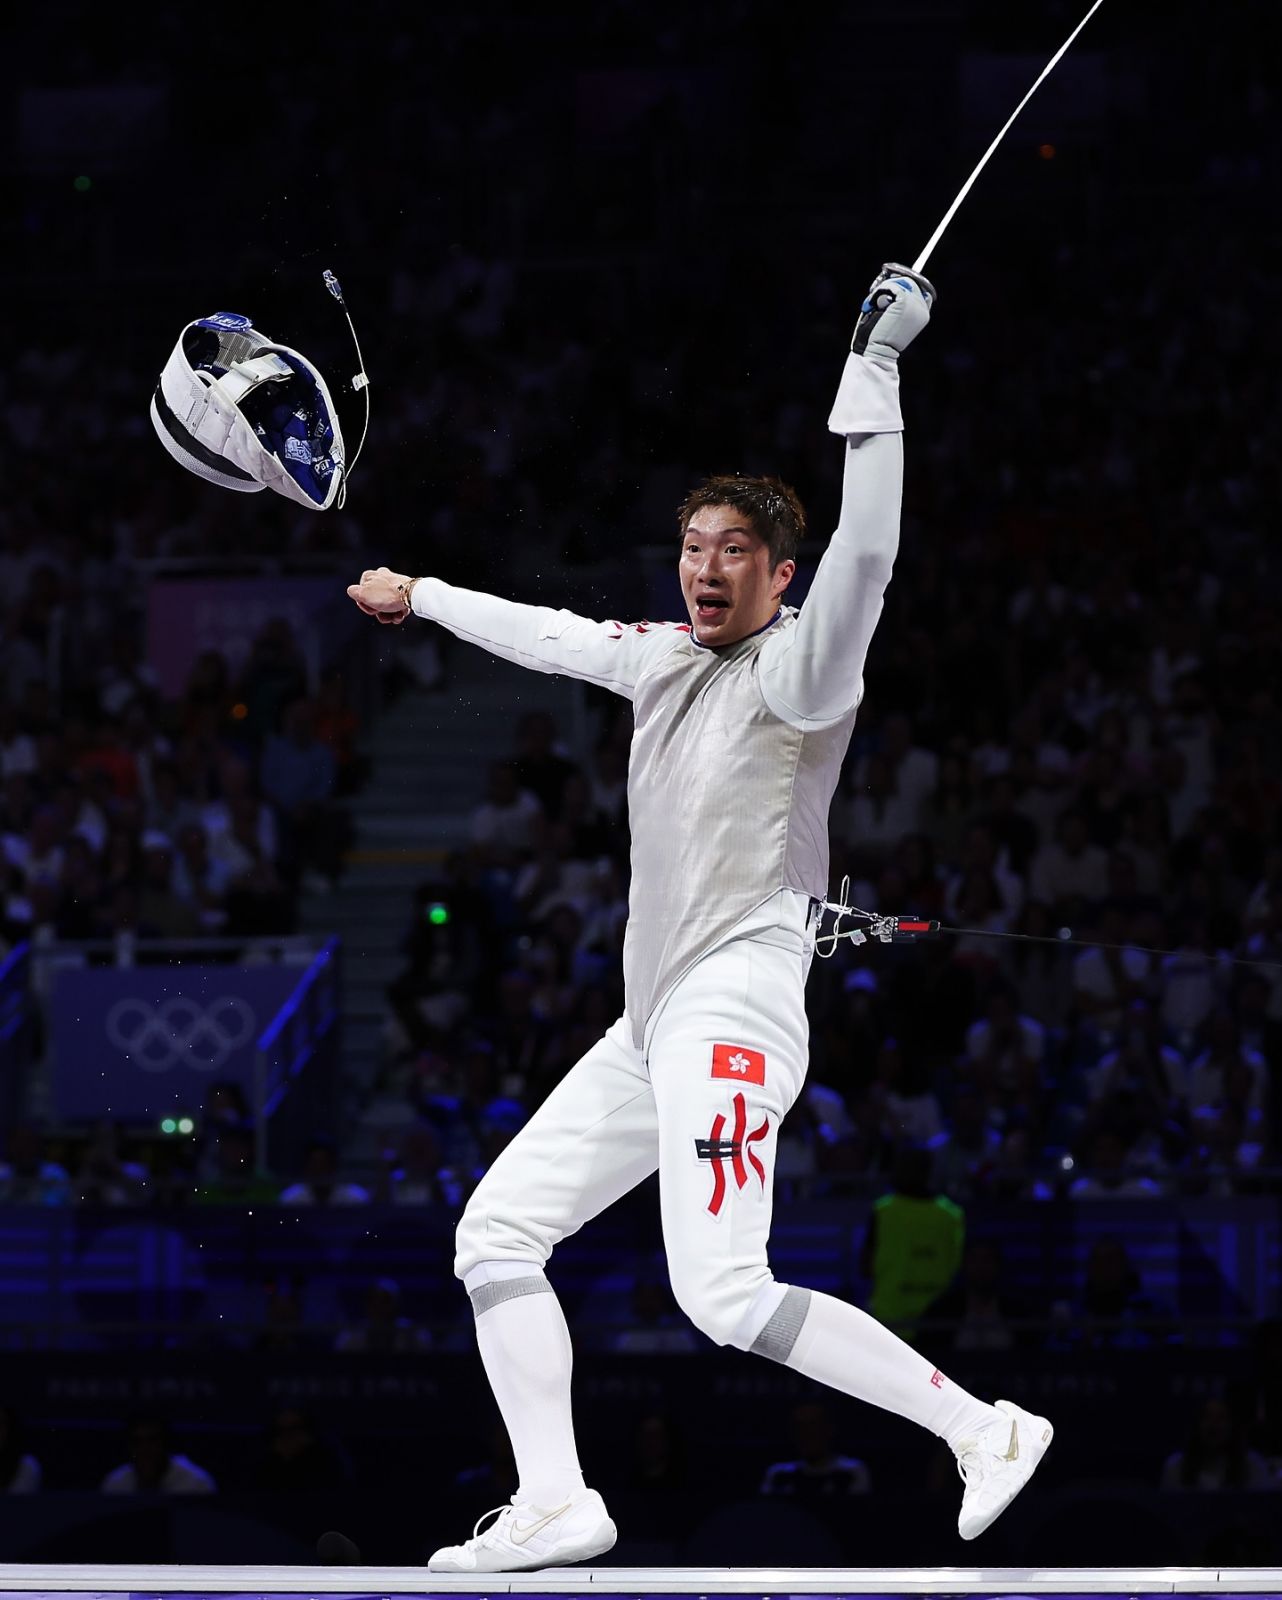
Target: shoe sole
1041,1437
605,1538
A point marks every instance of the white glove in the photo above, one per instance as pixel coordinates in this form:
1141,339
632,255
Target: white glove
895,312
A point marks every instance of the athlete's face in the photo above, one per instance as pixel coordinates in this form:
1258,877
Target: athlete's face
729,588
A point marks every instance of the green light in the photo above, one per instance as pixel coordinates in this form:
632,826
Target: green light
438,915
168,1125
82,185
186,1125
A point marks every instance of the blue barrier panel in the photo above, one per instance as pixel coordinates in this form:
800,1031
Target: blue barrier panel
296,1066
138,1043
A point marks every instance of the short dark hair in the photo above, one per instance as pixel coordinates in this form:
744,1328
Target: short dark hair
771,507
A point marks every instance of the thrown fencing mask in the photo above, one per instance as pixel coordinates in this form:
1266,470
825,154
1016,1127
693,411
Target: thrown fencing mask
237,409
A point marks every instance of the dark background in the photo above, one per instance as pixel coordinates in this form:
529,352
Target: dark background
628,243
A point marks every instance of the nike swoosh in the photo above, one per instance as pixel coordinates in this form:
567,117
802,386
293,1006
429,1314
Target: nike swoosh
1012,1453
524,1535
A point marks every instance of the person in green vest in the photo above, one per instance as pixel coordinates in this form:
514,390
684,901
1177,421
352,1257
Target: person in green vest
913,1246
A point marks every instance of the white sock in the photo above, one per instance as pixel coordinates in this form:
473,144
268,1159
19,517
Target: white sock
844,1347
525,1346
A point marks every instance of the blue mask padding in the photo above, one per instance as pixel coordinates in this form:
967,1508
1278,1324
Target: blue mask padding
293,422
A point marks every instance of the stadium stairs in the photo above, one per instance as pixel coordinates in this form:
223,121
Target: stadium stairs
430,753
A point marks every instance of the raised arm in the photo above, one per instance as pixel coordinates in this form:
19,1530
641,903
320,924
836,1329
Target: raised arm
811,675
604,653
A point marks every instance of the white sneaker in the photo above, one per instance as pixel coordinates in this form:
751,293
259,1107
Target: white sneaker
997,1465
523,1537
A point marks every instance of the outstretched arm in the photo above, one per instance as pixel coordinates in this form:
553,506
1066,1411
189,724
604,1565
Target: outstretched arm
604,653
811,675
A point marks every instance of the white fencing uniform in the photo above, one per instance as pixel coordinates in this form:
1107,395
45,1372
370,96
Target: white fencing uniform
735,757
734,761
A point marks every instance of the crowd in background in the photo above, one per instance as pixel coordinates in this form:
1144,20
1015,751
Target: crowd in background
1072,720
124,815
299,1450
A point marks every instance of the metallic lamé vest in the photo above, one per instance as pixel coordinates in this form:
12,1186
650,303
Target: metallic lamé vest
728,804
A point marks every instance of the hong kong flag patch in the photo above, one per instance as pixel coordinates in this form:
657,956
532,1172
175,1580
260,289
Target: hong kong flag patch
738,1064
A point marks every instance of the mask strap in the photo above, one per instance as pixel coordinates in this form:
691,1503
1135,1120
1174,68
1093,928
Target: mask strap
359,382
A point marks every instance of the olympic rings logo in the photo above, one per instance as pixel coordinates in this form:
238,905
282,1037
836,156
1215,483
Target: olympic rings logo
180,1032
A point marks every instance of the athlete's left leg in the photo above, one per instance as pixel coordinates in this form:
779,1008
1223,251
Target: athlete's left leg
727,1058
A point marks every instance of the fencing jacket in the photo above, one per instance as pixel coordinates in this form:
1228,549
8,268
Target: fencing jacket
736,751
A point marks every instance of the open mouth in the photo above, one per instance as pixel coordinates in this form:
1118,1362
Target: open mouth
708,606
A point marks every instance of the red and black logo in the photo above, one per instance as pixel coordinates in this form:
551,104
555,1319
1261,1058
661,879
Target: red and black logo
718,1150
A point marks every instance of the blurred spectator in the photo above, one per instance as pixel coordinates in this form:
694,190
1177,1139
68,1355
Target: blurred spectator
878,816
320,1184
1142,1066
1216,1455
1227,1071
104,1177
162,912
900,1100
200,879
208,696
1070,867
298,775
20,1472
978,1309
506,824
658,1455
1115,1312
609,784
913,1244
295,1459
258,899
153,1466
225,1106
946,813
27,1178
1014,1176
337,727
541,768
383,1330
1227,1152
283,1331
413,1178
229,1177
274,675
818,1472
1108,1175
1006,1052
1192,982
962,1159
1107,977
445,949
169,810
656,1327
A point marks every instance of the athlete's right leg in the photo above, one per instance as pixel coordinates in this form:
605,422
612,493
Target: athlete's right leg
727,1057
592,1140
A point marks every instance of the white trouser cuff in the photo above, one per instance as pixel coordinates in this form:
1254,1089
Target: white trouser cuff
761,1308
499,1272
